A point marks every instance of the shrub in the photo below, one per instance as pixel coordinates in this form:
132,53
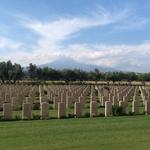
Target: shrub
71,115
131,113
97,100
50,107
37,94
72,106
1,108
101,115
50,102
36,106
63,117
87,114
45,92
117,111
101,106
36,117
18,108
87,106
88,101
94,115
1,117
17,117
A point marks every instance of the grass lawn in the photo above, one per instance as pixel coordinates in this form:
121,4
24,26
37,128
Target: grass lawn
114,133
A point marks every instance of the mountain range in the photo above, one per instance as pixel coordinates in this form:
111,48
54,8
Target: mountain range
68,63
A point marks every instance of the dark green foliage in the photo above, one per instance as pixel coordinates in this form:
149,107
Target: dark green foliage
10,73
36,106
50,107
18,108
17,117
50,102
101,115
68,75
36,117
37,94
87,114
72,106
117,111
71,115
131,113
87,106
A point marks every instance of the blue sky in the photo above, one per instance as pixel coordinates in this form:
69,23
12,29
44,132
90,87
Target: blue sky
111,33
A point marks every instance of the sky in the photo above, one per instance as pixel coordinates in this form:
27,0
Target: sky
108,33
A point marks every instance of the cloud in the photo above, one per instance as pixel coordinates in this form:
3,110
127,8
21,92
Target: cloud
124,57
67,27
50,36
7,43
109,55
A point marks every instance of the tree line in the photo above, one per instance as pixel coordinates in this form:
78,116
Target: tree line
10,73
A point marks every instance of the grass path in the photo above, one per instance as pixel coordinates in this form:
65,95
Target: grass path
114,133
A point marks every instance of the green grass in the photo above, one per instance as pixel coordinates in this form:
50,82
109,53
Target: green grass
113,133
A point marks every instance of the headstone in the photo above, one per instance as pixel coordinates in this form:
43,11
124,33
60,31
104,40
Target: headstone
55,102
123,105
147,107
93,108
27,111
108,108
14,102
61,110
7,99
7,111
44,110
77,109
82,101
114,101
135,107
103,101
68,101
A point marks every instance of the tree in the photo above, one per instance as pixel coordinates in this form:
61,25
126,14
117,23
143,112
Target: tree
9,72
32,71
2,71
17,72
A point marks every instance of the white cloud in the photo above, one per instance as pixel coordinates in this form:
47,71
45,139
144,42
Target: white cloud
117,56
56,31
51,35
125,57
7,43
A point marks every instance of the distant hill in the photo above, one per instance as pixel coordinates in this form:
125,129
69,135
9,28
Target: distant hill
68,63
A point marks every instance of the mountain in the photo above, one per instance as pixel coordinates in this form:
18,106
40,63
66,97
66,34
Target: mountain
68,63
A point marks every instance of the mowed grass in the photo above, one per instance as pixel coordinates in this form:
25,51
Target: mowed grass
113,133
